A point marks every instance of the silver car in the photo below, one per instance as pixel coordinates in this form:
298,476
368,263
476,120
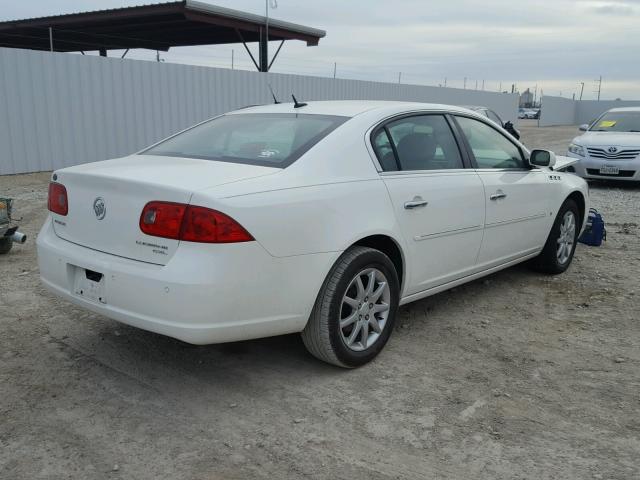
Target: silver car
609,148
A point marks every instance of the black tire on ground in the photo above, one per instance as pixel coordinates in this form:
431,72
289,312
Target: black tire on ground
322,336
5,245
547,261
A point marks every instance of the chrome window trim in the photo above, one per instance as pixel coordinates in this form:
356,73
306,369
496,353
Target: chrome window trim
422,173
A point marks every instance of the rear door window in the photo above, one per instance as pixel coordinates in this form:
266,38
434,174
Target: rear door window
421,142
271,140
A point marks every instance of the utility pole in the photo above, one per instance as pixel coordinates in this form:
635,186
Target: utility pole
335,66
500,88
483,85
51,39
599,86
445,82
581,89
232,60
399,77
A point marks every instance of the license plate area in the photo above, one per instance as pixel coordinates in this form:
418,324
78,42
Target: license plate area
89,285
609,170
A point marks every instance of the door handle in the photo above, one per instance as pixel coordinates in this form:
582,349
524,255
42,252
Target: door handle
498,195
417,202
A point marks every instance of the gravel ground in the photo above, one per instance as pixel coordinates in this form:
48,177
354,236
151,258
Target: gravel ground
515,376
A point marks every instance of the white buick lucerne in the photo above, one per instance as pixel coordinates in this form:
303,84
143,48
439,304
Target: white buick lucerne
610,146
319,218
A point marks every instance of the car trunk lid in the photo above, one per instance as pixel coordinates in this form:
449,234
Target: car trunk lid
106,199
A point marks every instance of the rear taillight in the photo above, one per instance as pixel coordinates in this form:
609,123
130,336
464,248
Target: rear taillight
58,201
190,223
162,219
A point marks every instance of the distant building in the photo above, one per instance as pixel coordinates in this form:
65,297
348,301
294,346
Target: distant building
526,99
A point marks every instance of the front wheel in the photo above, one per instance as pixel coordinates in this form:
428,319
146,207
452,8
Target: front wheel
354,313
558,252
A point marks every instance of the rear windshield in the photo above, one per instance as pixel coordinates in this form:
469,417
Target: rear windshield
266,139
617,122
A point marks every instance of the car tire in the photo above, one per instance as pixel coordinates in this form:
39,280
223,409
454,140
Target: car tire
553,260
362,288
5,245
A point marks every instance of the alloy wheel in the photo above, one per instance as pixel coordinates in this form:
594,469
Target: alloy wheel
566,237
364,309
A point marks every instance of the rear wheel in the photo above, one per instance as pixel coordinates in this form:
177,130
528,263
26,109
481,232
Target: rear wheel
5,245
354,313
561,244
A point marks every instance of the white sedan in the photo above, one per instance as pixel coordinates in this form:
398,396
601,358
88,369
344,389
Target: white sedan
610,146
319,218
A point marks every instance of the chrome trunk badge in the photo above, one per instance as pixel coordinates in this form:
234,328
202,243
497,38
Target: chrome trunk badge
99,208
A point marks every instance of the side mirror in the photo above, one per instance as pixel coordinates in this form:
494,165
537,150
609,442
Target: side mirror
542,158
583,127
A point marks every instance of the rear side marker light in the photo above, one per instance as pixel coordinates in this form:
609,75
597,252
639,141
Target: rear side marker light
191,223
58,201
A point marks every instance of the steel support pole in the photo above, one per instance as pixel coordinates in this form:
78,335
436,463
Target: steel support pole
263,58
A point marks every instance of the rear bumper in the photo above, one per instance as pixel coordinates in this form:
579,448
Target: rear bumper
205,294
590,168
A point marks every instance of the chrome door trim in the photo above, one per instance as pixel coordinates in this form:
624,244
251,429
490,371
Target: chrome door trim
419,238
516,220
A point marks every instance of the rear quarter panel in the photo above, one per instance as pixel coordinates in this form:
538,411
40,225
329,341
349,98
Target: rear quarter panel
313,219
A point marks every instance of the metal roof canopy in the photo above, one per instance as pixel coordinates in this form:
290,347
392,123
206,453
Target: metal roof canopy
155,27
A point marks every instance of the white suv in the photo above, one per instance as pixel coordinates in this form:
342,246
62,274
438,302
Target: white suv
610,146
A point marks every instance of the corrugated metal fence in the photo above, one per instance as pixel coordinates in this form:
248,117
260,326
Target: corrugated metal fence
59,109
565,111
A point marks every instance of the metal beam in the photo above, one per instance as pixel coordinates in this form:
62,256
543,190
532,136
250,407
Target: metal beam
276,54
247,48
62,38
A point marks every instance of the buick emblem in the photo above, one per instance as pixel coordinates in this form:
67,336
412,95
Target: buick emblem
99,208
613,149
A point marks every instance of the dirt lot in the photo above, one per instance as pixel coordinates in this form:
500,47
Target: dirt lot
515,376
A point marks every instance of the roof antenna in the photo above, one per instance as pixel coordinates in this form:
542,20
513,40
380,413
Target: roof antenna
275,100
296,103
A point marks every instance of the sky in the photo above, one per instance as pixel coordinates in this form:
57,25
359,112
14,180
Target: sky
546,45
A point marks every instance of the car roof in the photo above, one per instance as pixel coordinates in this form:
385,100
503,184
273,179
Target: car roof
348,108
626,109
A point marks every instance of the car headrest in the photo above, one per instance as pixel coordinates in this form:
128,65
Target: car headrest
416,150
